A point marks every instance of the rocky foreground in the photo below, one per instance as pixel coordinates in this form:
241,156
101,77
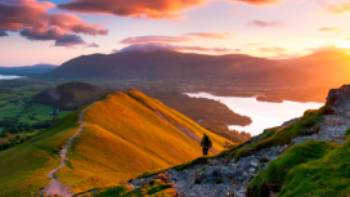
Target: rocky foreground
231,173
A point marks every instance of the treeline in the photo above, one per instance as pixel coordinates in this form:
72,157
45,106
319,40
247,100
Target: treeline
14,126
14,141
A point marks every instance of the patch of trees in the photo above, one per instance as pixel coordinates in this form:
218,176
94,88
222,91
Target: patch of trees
14,141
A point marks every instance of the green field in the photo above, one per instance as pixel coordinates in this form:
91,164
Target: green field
24,167
20,118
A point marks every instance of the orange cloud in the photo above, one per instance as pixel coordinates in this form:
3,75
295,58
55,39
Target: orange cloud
339,8
32,19
134,8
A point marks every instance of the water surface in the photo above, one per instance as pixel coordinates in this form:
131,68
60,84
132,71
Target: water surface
263,114
9,77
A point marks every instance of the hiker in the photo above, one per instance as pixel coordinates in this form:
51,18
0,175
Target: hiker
206,144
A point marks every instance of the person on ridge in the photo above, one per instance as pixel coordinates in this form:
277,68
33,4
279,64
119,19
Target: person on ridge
206,144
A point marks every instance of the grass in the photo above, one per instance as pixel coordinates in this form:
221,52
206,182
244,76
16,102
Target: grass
275,174
17,108
128,134
24,167
327,176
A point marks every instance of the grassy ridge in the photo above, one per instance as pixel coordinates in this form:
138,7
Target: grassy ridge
128,134
24,168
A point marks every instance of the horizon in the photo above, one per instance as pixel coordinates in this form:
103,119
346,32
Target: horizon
265,28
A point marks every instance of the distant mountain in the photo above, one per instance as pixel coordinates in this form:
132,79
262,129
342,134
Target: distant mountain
324,68
28,70
155,65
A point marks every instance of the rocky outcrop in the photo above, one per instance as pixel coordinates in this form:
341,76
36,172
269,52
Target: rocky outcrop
336,118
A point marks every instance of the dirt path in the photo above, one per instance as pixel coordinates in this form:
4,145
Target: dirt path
56,188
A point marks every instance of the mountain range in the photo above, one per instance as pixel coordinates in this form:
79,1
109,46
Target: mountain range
327,68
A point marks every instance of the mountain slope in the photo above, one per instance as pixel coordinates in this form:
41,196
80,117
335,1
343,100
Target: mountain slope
128,134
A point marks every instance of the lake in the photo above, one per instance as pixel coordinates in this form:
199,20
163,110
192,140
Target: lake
263,114
9,77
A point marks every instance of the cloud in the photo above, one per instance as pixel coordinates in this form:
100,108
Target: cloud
150,47
175,39
330,29
32,19
258,2
339,8
262,23
134,8
69,41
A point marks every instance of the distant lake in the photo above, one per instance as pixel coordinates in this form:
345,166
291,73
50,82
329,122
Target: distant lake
263,114
9,77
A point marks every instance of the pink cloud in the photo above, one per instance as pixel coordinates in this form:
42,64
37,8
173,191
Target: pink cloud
32,20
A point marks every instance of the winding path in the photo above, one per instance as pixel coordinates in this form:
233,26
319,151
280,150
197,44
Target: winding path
55,187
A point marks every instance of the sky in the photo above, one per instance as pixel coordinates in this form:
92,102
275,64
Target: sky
43,31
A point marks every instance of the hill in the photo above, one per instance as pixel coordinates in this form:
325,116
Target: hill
127,134
70,95
122,136
304,157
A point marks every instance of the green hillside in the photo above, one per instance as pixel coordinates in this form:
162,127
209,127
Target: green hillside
24,167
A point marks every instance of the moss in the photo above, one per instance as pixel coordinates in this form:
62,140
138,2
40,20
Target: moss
273,177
